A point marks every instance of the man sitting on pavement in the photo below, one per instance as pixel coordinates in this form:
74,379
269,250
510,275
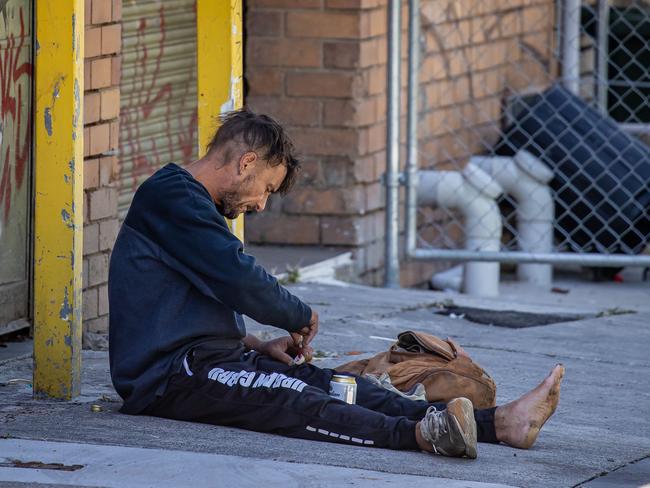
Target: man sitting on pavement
180,282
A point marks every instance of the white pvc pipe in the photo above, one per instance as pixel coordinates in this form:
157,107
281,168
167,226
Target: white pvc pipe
526,178
571,45
473,193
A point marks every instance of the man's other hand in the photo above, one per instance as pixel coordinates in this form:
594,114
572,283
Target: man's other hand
304,336
284,350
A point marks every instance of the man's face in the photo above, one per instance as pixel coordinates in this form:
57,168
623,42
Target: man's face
251,189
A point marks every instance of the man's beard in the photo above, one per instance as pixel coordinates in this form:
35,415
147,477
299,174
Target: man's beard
230,207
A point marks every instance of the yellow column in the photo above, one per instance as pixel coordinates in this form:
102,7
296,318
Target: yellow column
219,70
58,197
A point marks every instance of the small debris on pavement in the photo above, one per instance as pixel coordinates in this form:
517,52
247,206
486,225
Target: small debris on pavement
562,291
353,353
96,408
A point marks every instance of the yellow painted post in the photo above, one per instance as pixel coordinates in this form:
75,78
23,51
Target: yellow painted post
58,197
219,70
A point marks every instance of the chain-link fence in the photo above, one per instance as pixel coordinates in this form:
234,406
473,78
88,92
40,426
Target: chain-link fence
530,132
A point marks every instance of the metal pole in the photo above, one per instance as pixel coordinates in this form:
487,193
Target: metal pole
571,46
391,279
584,259
602,53
412,126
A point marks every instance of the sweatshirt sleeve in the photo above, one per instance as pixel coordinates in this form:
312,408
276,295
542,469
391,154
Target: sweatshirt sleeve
185,223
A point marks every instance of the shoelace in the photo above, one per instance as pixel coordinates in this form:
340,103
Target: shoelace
433,426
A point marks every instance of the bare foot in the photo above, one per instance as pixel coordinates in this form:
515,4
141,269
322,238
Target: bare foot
518,423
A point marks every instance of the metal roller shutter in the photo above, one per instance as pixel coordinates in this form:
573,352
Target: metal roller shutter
158,121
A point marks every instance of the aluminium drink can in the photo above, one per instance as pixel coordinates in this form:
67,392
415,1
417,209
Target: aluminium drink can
344,388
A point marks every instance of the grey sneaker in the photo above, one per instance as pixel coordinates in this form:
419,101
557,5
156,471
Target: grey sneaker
451,432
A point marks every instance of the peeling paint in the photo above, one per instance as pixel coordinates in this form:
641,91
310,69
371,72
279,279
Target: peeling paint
67,340
74,32
66,307
48,121
65,215
77,107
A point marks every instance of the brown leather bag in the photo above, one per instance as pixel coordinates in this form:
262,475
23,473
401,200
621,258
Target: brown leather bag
418,357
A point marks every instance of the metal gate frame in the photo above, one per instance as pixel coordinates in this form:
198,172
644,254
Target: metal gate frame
394,179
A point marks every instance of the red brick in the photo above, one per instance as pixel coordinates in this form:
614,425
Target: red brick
373,52
103,203
87,66
116,70
117,10
350,113
285,3
93,42
91,239
99,138
284,52
363,170
296,112
89,303
373,23
108,230
97,269
374,80
111,38
114,135
110,104
334,171
338,25
374,197
87,12
101,11
86,141
273,229
108,170
264,23
332,201
91,108
341,54
332,84
91,173
352,4
84,271
96,326
264,81
325,142
100,73
350,231
102,300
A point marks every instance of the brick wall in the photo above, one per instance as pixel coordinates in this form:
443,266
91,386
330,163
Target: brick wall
319,66
101,127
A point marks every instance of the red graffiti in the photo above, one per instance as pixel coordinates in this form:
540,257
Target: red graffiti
145,100
12,74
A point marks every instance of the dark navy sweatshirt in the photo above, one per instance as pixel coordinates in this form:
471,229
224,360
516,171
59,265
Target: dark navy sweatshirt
180,279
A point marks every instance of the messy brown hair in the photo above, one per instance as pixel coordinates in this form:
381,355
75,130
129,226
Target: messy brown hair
261,134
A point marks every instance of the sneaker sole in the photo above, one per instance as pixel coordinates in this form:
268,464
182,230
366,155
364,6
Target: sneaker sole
461,411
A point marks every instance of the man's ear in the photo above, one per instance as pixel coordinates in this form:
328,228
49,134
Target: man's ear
247,162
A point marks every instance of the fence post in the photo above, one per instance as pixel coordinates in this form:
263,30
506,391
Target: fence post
571,46
412,126
391,279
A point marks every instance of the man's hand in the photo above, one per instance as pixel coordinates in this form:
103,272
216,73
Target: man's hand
304,336
284,350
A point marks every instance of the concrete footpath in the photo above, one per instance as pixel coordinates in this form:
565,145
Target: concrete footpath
599,437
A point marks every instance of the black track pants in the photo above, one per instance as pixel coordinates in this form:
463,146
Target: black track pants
255,392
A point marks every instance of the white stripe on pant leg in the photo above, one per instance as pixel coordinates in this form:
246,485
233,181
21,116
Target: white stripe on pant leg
356,440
